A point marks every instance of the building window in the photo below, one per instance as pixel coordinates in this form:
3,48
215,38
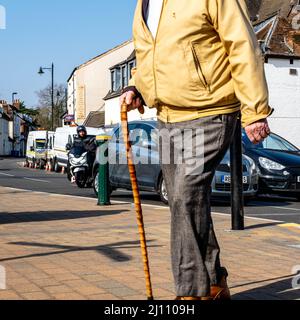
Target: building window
131,65
293,72
113,80
124,76
118,79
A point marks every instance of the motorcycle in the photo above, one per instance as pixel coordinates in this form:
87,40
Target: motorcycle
78,166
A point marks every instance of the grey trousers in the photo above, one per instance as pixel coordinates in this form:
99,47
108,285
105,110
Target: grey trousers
195,253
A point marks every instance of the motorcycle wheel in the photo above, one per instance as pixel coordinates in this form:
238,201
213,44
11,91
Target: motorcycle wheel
80,179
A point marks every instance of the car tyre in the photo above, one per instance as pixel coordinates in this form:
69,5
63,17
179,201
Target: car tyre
95,184
162,191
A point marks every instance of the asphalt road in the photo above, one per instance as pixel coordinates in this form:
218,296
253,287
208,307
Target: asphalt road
13,175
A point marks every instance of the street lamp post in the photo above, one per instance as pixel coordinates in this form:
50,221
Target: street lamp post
41,72
13,97
13,115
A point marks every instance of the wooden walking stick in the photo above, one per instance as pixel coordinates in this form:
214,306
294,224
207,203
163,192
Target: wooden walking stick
137,199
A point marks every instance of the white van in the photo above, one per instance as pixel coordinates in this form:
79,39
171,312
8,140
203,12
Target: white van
62,137
36,148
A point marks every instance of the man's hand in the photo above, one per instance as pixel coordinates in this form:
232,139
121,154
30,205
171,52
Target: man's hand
133,102
258,131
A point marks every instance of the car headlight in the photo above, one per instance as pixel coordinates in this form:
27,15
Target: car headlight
270,165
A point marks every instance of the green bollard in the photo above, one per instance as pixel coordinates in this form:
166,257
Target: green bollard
103,176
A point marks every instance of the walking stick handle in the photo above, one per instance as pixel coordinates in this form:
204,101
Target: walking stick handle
137,199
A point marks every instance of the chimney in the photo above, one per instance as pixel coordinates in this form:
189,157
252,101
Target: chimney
5,108
17,104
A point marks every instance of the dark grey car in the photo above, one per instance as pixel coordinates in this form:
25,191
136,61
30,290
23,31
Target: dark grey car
149,174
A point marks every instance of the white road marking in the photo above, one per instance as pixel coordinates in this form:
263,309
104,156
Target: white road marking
293,209
148,205
250,218
6,174
274,214
36,180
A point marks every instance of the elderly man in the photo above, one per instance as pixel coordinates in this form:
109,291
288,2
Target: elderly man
199,64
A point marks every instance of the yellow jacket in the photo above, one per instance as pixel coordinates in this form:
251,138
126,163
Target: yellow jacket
205,60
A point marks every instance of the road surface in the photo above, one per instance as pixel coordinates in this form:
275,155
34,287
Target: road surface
13,175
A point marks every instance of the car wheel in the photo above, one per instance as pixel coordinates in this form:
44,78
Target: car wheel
162,191
96,185
56,166
298,198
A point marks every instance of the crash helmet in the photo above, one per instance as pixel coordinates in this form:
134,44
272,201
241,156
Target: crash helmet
81,128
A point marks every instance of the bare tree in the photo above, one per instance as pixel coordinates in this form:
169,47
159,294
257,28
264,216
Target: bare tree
45,107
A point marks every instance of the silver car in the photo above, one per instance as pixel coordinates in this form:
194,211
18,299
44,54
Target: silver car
150,175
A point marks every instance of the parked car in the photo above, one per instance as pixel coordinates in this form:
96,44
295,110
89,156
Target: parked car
278,162
36,150
150,175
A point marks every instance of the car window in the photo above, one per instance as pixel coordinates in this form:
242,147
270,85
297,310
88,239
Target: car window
139,136
277,143
273,142
40,144
145,134
118,135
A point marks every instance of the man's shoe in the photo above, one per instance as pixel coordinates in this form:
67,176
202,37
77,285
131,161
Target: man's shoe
194,298
221,291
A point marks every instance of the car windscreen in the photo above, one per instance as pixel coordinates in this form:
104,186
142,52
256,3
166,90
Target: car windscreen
40,144
273,142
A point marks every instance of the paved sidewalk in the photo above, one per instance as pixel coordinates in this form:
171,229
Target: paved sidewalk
62,247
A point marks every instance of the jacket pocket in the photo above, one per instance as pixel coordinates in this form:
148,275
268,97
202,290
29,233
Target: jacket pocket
199,67
194,67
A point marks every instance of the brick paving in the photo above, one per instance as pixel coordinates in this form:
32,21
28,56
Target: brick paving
68,248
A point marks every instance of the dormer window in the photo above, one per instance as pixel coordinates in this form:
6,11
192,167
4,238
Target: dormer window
120,75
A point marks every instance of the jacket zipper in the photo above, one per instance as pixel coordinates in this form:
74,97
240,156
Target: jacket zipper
154,49
154,40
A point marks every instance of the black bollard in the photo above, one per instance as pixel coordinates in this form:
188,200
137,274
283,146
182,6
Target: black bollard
237,196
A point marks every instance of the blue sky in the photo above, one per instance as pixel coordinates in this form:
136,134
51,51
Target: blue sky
39,32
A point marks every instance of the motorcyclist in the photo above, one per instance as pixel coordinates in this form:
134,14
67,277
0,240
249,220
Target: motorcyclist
84,141
87,144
